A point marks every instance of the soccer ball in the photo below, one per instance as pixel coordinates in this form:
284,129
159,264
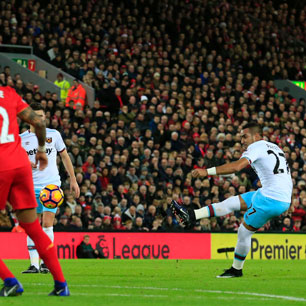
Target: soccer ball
51,196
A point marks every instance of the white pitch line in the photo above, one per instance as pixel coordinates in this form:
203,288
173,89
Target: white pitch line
264,295
151,296
284,297
107,294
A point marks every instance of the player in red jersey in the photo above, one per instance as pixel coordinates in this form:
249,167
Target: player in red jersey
16,185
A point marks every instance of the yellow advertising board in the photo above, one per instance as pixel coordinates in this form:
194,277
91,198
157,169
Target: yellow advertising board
264,246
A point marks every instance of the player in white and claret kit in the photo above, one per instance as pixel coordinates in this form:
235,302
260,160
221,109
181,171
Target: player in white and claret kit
50,175
269,201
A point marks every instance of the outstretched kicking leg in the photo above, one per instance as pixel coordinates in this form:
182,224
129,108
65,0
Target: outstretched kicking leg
219,209
189,216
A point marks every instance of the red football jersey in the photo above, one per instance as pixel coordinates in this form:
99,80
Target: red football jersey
12,155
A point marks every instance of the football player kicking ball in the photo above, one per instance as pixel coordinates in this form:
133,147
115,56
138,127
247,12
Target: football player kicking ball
16,185
270,201
50,175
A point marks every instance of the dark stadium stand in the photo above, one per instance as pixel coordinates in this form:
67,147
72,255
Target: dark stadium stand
174,82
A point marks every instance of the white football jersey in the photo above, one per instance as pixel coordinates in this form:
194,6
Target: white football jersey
54,144
270,164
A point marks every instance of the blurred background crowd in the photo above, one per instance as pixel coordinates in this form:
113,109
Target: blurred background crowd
174,82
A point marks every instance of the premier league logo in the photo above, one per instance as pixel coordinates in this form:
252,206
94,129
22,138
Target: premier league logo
102,246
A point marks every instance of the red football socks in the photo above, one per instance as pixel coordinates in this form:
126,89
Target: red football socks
4,271
45,248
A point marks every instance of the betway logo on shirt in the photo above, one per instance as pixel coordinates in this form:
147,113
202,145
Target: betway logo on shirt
34,151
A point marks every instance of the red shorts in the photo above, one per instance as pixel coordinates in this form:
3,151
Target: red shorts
16,186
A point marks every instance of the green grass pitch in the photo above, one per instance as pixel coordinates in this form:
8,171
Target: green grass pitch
165,282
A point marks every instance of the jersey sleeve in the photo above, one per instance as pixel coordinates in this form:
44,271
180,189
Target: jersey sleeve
59,144
252,153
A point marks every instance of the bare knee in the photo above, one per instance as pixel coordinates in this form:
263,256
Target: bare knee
48,219
26,215
243,205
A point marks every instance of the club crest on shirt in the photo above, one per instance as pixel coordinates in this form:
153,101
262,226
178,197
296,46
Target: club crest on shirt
48,139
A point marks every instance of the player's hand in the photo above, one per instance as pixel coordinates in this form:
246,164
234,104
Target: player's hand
34,166
199,173
42,158
74,187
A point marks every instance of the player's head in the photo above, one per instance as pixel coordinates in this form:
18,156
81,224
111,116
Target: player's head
86,239
250,133
60,77
39,110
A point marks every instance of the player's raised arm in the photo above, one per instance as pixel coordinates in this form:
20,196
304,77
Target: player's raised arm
29,116
223,169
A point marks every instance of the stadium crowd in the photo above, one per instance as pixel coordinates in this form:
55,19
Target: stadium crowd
174,81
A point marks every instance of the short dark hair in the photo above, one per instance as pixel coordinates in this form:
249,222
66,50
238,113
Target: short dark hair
36,106
254,127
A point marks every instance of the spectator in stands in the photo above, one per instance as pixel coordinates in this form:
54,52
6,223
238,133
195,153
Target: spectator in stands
129,214
64,86
138,227
5,220
150,217
63,224
107,223
129,225
71,202
297,225
193,93
287,225
76,224
97,226
214,226
117,225
85,249
76,94
99,212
